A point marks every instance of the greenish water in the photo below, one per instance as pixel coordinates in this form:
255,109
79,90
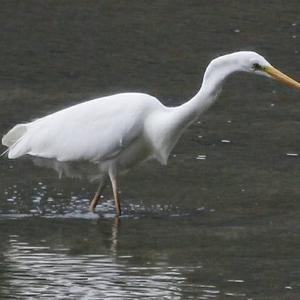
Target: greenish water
221,221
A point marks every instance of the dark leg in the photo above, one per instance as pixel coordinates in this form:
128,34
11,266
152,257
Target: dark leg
97,196
113,179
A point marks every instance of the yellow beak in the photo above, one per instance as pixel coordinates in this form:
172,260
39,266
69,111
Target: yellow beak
276,74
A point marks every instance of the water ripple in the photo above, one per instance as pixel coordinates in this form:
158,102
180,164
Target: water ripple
34,271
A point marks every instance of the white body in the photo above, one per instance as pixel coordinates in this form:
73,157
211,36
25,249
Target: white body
119,131
115,131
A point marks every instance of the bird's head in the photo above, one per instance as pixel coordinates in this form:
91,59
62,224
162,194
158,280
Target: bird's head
252,62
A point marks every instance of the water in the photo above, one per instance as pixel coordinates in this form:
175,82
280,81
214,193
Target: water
151,257
221,221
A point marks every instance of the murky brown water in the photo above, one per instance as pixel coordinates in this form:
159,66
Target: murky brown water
221,220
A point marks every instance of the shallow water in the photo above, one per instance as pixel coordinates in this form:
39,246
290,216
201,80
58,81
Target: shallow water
158,257
221,221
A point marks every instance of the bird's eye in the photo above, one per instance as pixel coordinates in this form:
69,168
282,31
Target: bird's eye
257,66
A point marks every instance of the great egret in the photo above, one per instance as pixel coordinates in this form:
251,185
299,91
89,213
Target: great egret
119,131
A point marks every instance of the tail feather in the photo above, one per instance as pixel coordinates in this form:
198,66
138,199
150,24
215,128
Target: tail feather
3,153
14,135
13,140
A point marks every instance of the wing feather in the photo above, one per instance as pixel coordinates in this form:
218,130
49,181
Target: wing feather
93,130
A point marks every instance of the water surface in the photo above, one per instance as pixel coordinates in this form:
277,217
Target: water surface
221,221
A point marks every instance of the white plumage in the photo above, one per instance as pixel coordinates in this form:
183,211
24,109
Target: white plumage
93,130
119,131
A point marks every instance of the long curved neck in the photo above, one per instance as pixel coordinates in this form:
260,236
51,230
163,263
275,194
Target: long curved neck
212,84
180,117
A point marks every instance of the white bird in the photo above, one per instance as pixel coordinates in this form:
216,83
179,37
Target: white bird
119,131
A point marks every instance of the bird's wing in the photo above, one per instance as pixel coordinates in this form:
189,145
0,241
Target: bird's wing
93,130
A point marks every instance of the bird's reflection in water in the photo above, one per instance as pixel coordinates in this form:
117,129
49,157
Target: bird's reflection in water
114,235
90,268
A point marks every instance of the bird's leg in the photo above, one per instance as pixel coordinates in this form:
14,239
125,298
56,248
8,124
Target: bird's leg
97,196
113,179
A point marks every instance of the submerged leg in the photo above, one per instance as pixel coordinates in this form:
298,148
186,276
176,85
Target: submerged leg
113,179
97,196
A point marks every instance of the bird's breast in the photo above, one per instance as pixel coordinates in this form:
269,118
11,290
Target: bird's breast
133,154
